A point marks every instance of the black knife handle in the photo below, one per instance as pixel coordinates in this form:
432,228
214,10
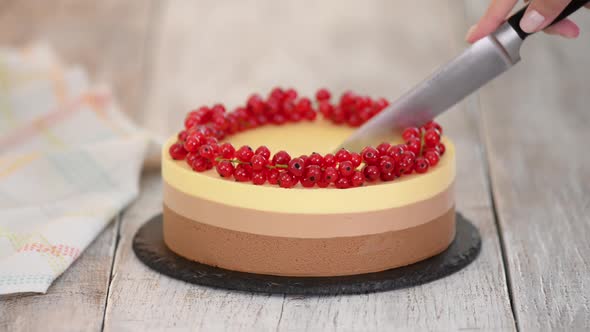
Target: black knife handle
514,20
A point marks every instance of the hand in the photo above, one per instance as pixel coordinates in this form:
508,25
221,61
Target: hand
537,17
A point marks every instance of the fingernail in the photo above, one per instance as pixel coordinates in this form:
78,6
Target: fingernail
470,32
531,21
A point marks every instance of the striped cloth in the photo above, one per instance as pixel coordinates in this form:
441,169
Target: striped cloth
69,162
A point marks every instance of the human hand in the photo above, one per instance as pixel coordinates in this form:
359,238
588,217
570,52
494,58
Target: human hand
537,17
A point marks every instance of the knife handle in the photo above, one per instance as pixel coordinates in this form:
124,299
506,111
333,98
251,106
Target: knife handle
514,20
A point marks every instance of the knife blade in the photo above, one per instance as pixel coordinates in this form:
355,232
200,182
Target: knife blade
477,65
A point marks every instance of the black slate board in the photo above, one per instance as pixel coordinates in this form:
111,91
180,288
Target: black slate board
149,247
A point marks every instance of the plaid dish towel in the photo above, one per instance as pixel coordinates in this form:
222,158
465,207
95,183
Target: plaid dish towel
69,162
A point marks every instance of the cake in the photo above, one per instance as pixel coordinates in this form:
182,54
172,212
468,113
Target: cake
305,231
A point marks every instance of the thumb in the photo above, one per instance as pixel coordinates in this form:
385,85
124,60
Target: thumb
541,13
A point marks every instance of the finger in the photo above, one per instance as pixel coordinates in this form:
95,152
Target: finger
491,20
541,13
566,28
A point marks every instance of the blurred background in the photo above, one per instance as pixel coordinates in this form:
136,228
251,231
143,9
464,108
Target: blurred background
164,57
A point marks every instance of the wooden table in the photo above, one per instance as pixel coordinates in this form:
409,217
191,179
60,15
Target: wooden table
522,141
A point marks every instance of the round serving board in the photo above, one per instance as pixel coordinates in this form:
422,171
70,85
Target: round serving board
148,245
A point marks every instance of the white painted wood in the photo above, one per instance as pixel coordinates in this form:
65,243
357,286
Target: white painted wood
536,121
75,301
374,48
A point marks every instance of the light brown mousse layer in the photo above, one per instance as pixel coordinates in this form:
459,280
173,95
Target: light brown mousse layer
288,256
298,225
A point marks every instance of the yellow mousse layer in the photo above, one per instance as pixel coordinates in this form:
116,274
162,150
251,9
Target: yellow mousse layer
298,139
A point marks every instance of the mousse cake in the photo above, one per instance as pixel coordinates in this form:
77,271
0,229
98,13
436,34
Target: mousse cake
301,221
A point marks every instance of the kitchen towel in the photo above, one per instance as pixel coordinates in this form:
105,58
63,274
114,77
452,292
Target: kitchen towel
69,162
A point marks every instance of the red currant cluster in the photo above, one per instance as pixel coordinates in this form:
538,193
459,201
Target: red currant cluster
199,145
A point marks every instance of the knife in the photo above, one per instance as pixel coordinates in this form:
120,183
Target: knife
451,83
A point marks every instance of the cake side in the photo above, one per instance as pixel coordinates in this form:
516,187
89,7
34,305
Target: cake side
335,256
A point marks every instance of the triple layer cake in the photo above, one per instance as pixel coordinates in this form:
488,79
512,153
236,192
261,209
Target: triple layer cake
311,230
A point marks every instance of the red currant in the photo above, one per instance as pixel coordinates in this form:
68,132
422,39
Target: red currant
177,151
370,155
371,173
279,119
191,121
343,155
272,175
227,151
191,157
261,119
421,165
440,147
383,148
303,105
286,180
390,176
242,173
290,94
245,154
259,177
218,109
305,182
396,151
343,183
259,162
182,135
263,151
354,120
296,167
313,173
357,179
225,169
315,159
201,164
386,164
329,160
277,93
323,183
433,125
256,104
414,145
220,122
322,95
345,168
289,107
406,163
356,159
432,156
206,152
330,174
281,158
431,138
381,103
326,109
310,115
347,98
193,142
409,133
304,158
338,115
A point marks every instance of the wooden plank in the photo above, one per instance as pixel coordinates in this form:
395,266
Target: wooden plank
365,49
142,299
108,38
74,302
536,126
